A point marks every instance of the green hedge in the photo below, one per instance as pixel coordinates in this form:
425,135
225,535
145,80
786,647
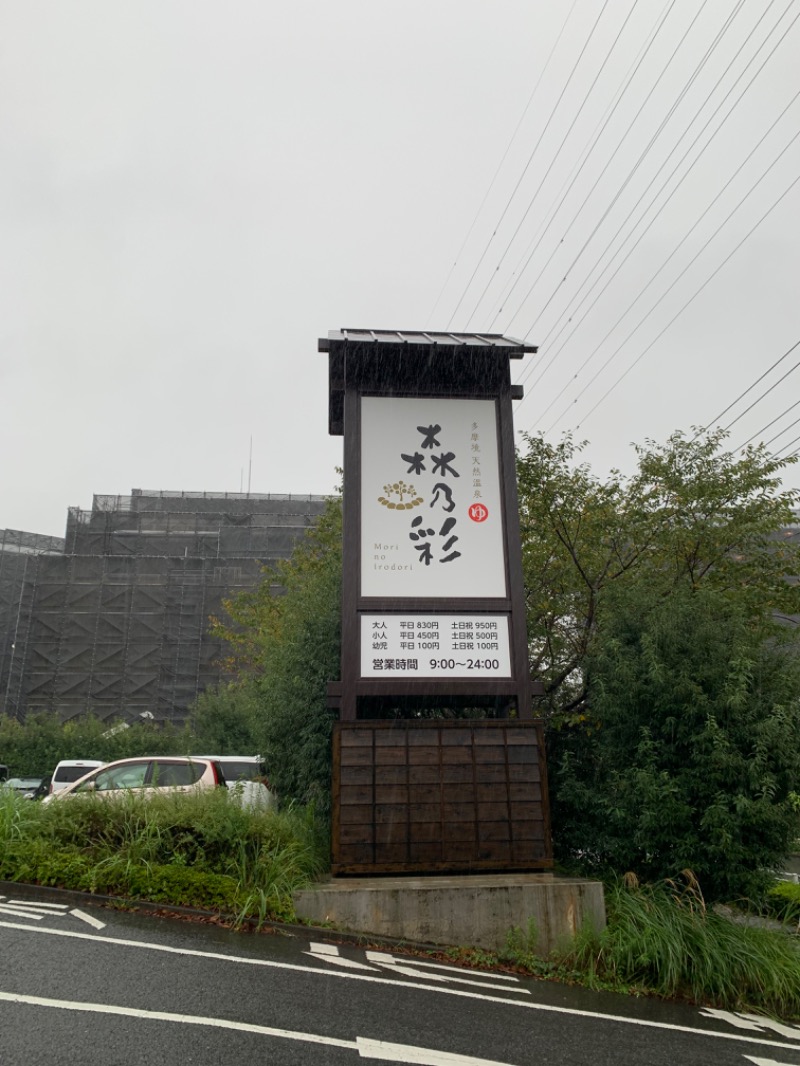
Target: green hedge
201,850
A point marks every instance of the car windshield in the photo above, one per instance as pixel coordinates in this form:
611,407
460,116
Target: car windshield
68,774
174,775
246,770
129,775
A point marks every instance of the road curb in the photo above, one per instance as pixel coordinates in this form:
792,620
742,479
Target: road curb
168,910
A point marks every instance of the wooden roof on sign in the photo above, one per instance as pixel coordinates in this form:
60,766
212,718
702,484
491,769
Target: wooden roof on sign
402,345
511,348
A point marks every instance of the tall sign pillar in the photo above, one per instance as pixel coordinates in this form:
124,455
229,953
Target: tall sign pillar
438,761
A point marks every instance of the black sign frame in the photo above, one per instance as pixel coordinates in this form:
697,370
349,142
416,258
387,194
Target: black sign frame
445,366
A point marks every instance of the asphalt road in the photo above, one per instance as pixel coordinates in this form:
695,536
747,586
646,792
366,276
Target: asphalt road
103,988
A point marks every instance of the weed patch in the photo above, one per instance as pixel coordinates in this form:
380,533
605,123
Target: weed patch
200,850
661,939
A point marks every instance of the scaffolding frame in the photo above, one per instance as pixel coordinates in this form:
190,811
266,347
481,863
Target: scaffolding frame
113,619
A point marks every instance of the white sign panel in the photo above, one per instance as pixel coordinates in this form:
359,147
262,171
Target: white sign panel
435,645
431,521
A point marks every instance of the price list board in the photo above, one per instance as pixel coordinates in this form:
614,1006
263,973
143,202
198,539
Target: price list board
435,646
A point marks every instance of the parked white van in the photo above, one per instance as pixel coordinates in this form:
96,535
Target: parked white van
69,770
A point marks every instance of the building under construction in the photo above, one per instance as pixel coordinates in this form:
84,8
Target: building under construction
114,618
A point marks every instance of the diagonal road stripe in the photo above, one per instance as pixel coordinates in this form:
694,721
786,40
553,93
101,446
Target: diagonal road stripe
365,1047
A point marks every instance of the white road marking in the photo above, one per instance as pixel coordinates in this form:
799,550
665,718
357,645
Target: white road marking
365,1047
330,953
88,918
792,1031
57,907
460,969
754,1022
166,1016
380,1049
409,968
728,1016
18,913
22,908
767,1062
526,1004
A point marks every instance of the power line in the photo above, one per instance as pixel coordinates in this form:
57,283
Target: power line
763,395
789,445
784,430
597,133
664,184
750,388
502,161
678,246
525,169
553,161
632,172
692,298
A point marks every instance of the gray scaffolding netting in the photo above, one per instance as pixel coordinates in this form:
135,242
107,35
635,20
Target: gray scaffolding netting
114,619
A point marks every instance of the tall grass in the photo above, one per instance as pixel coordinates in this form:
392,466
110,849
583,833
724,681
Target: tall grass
662,939
201,850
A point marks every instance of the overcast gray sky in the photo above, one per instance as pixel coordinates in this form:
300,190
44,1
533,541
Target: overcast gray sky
191,192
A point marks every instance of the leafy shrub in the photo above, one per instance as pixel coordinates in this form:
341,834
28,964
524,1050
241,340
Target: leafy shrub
181,886
783,901
34,861
662,938
692,750
35,746
200,850
287,649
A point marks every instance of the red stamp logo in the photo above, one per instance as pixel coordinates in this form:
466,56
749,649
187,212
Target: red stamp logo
478,512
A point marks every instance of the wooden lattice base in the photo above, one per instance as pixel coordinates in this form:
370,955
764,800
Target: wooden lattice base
431,796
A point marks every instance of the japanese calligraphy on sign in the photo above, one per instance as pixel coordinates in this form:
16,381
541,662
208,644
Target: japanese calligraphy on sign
435,645
431,517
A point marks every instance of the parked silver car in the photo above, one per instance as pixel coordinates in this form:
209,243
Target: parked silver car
27,787
146,776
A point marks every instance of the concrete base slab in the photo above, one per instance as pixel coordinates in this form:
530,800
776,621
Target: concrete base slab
465,911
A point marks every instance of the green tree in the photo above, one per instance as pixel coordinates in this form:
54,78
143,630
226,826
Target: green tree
225,720
671,691
692,747
285,638
690,513
33,747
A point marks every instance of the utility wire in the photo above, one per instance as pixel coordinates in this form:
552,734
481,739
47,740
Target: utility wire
639,358
679,245
789,445
664,184
664,122
586,153
558,151
502,161
742,395
760,432
763,395
631,172
784,430
675,168
524,171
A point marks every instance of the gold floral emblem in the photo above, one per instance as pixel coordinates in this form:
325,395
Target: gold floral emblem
406,497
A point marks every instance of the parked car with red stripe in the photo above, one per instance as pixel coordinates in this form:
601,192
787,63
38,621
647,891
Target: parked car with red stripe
146,776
